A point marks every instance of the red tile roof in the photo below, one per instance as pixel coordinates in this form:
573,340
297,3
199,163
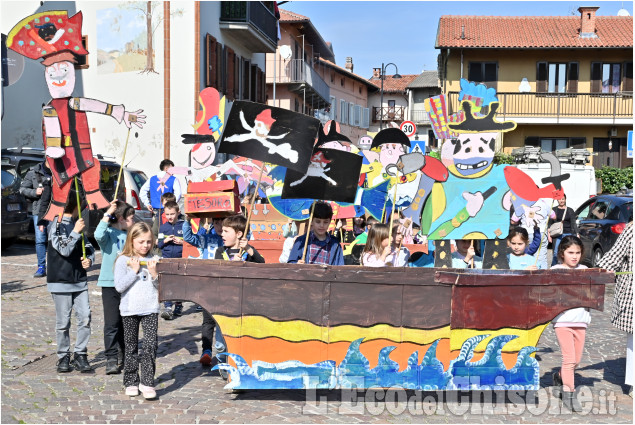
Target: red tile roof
345,71
394,85
287,16
532,32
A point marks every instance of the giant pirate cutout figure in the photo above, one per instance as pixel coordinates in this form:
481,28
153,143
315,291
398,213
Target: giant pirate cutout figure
56,38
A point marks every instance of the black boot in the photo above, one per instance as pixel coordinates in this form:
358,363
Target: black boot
64,364
80,361
557,385
112,368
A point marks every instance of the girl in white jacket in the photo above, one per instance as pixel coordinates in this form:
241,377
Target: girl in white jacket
570,327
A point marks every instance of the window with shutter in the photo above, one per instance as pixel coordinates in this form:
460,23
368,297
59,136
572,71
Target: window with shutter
541,77
261,86
351,114
358,116
532,141
246,80
577,142
231,63
237,64
627,84
483,72
210,53
366,118
254,83
332,109
596,77
219,68
573,75
343,111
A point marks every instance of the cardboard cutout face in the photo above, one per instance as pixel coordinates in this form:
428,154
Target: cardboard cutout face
60,79
202,155
470,155
389,153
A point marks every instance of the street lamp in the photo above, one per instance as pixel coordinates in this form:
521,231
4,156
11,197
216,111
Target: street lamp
381,101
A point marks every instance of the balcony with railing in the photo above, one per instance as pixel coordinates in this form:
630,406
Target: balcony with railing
561,108
389,113
251,23
420,116
302,79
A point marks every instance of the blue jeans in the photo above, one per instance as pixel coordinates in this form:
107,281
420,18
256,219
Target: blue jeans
556,244
64,304
40,244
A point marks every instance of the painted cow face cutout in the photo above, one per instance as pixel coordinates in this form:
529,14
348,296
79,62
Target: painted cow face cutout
470,155
60,79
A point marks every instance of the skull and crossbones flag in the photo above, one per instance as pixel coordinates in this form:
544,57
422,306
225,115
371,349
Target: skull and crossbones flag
332,176
269,134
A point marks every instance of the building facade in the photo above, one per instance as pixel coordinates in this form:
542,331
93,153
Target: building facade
191,45
421,88
394,108
302,76
567,81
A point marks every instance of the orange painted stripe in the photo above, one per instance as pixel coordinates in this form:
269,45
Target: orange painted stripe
276,350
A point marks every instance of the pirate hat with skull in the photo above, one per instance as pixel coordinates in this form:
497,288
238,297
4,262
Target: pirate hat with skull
51,36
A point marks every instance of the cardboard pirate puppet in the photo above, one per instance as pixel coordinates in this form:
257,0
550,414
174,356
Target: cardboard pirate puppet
55,38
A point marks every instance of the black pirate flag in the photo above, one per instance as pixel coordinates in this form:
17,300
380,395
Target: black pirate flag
332,176
269,134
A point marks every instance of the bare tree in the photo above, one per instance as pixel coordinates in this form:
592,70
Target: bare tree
152,12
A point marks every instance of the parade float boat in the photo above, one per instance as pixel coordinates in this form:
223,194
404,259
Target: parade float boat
310,326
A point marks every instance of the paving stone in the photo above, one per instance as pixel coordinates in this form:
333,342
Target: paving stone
190,394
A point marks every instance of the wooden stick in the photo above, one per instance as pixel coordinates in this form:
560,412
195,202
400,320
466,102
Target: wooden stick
79,211
252,205
545,230
308,232
472,246
123,158
392,210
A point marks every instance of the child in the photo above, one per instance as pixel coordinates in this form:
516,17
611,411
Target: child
171,246
464,254
517,240
111,237
570,327
139,306
377,247
161,218
399,254
208,238
322,248
68,284
233,242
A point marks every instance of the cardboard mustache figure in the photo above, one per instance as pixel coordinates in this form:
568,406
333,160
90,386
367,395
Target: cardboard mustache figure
55,38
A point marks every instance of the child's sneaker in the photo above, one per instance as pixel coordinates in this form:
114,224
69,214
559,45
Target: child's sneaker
167,314
178,310
41,272
206,358
148,392
132,391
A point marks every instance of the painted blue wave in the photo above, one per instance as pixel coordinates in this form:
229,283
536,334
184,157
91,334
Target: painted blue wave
354,371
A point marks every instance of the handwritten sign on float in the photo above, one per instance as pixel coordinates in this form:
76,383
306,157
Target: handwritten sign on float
212,197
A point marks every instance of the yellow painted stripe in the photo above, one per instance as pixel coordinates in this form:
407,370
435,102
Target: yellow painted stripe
301,330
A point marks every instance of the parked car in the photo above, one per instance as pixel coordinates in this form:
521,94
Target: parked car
129,189
15,219
600,221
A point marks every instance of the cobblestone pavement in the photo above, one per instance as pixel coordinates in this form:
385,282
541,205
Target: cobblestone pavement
32,391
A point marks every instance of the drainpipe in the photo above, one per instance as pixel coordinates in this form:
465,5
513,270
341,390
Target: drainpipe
461,63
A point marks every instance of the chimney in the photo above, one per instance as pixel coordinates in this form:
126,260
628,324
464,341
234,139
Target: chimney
377,73
349,64
587,21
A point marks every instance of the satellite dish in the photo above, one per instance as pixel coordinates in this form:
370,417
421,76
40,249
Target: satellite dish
285,52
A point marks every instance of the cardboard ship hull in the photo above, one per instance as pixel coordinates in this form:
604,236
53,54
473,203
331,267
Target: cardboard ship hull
309,326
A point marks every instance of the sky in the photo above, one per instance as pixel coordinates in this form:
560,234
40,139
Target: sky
404,32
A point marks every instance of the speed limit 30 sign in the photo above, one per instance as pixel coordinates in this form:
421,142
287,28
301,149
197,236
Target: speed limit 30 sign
409,128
